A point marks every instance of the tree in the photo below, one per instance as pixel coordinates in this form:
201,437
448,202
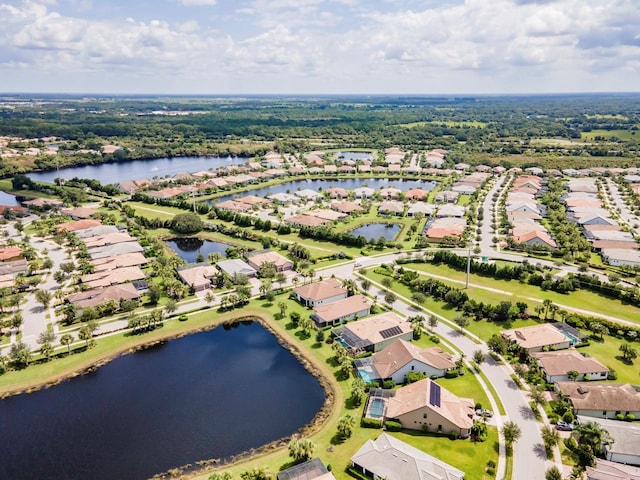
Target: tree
573,375
550,438
628,352
85,334
43,297
419,297
283,308
433,322
67,340
346,424
301,449
188,223
537,395
46,349
209,298
390,298
220,476
590,437
511,433
256,474
16,320
497,344
462,322
357,391
306,325
365,284
553,474
386,282
417,324
171,306
478,356
598,329
20,354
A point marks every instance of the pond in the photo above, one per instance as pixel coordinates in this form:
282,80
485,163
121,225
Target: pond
115,172
373,231
189,248
354,156
346,183
208,395
8,199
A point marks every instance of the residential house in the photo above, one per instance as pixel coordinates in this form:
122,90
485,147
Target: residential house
556,365
236,266
416,194
318,293
401,357
97,296
391,459
197,275
601,400
374,333
391,207
77,225
605,470
621,256
343,310
306,221
312,469
537,337
258,258
534,238
79,212
426,209
425,405
626,440
234,206
96,231
116,276
113,250
124,260
346,207
108,239
10,253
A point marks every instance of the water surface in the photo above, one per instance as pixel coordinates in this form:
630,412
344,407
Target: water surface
208,395
189,248
373,231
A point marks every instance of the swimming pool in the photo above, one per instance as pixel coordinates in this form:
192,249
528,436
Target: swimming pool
376,408
366,375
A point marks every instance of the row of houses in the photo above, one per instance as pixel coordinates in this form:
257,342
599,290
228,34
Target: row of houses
12,264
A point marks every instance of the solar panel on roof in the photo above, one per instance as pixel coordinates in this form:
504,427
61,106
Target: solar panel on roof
434,394
390,332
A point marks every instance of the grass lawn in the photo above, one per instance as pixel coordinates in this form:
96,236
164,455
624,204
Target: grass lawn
624,135
608,354
581,299
155,211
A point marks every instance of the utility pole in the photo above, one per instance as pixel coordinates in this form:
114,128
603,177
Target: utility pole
468,266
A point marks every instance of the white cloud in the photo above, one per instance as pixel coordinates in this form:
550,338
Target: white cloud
191,3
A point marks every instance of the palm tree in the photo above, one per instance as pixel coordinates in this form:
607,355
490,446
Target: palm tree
46,349
67,340
283,308
550,438
43,297
346,424
511,433
85,334
537,395
553,474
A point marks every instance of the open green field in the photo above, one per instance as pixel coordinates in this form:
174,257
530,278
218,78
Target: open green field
446,123
624,135
516,291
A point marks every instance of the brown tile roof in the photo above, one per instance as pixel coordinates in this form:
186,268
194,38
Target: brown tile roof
605,470
77,225
414,396
346,207
592,396
257,259
108,239
80,212
116,276
368,329
234,206
416,194
94,297
348,306
535,336
321,290
306,221
399,353
253,200
7,253
559,363
119,261
198,275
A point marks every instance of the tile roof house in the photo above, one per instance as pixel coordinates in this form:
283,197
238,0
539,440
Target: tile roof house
401,357
427,405
605,470
536,337
256,259
391,207
416,194
346,207
536,238
236,266
306,221
341,310
555,366
391,459
318,293
96,296
312,469
116,249
79,212
626,440
10,253
116,276
198,275
601,400
234,206
108,239
77,225
426,209
374,333
119,261
96,231
621,256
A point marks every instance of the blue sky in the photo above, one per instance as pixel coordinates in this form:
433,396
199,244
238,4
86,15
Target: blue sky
319,46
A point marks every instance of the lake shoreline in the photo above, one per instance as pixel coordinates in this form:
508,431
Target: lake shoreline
309,364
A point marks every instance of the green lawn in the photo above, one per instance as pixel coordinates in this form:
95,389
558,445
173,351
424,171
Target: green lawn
624,135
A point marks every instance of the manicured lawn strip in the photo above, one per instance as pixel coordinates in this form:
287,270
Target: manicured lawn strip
465,386
154,211
606,353
581,299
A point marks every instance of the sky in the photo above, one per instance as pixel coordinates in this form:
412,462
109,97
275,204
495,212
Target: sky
319,46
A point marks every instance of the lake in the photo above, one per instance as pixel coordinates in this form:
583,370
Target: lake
8,199
208,395
189,248
373,231
116,172
346,183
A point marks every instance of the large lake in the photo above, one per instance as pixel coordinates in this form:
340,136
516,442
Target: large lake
208,395
346,183
189,248
116,172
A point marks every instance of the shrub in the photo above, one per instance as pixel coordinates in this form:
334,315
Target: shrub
415,376
453,435
491,464
393,426
452,374
630,417
388,384
491,471
613,375
478,406
554,417
434,339
568,416
371,423
183,317
619,416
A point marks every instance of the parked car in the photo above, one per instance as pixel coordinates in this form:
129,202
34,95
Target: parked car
564,426
484,412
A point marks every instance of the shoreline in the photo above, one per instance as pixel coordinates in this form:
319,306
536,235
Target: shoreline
198,467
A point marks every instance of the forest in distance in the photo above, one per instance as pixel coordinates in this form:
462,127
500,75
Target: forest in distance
567,130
